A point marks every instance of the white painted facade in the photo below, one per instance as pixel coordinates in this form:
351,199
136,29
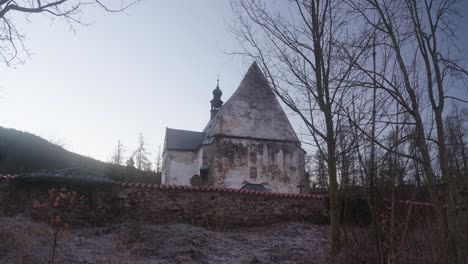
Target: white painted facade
248,141
275,165
179,166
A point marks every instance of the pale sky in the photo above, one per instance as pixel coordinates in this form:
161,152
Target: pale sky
151,68
124,74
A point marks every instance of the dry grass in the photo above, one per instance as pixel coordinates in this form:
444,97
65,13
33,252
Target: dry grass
26,241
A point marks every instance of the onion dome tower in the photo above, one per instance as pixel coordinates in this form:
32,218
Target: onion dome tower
216,102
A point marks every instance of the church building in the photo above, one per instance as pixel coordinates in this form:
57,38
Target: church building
248,143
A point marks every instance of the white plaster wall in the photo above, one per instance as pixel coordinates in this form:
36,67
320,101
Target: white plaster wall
279,171
164,170
180,166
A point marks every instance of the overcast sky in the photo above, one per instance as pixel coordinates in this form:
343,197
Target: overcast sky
152,68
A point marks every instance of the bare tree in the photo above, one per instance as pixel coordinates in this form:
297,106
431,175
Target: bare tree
158,162
118,158
303,58
12,46
456,136
424,63
141,155
319,172
324,71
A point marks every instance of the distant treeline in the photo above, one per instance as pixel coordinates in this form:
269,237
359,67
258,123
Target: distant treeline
23,152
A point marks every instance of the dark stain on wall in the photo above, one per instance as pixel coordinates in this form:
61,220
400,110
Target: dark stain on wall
253,173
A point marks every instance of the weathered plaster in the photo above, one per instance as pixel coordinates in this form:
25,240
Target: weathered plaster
180,166
253,111
250,140
279,166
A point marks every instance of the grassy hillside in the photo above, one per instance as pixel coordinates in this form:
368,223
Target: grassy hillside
23,152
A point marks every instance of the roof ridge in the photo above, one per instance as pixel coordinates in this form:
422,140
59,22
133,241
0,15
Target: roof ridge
185,130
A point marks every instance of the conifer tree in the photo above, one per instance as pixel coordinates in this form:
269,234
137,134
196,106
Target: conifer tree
141,155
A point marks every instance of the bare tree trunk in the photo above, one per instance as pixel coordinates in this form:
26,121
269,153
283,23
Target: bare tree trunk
372,169
334,200
391,248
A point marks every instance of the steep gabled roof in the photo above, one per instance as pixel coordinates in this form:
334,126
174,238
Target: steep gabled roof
253,111
177,139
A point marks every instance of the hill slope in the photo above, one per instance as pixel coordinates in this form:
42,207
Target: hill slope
23,152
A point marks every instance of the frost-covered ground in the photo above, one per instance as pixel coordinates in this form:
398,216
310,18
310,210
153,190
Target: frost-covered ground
25,241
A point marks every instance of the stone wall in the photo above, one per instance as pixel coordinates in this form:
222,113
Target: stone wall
199,205
206,206
213,206
4,192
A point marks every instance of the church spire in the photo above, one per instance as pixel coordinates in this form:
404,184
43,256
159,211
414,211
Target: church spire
216,102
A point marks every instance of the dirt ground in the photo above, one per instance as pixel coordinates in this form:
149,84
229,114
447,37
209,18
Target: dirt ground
25,241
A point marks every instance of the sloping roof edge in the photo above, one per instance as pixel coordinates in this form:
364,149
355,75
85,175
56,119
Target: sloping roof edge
178,139
254,69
